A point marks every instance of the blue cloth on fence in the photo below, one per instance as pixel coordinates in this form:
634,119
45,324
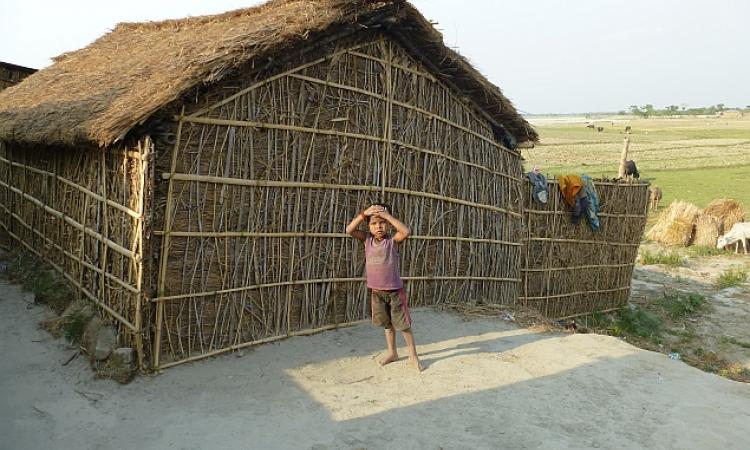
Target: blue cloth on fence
592,208
540,190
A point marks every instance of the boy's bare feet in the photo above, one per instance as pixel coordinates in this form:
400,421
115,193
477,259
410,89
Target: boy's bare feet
389,359
417,365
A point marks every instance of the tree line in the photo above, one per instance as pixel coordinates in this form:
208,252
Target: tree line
648,110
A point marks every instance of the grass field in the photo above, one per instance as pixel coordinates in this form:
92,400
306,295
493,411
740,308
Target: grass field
692,159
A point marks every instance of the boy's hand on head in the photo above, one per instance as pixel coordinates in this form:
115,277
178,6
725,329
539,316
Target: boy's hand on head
374,209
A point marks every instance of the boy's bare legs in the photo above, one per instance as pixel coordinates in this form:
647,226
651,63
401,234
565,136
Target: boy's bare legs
409,338
390,340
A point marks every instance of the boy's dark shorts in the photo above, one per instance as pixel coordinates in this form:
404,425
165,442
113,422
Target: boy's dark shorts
388,312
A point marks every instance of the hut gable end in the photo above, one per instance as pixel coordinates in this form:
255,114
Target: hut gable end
99,93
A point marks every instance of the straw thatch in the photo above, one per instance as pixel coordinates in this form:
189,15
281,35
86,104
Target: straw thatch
570,270
100,93
676,225
707,230
716,219
726,211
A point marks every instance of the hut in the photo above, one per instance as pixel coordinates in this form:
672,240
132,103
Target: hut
11,74
193,177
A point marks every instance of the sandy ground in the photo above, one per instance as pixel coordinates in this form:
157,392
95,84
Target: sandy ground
727,316
488,384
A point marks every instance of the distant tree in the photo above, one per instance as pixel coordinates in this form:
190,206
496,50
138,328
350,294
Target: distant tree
636,111
720,107
648,110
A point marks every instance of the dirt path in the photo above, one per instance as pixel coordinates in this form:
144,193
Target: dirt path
488,384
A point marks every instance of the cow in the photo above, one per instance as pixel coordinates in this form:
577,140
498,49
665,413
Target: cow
739,234
631,171
654,197
627,129
591,126
600,129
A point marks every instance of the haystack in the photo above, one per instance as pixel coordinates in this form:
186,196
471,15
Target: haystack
727,211
707,230
676,225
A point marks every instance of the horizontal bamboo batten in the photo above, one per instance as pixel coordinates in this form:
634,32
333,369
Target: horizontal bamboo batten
114,246
71,280
343,187
270,234
327,280
94,195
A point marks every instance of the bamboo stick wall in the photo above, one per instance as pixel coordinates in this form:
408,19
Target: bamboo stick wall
260,185
81,210
570,270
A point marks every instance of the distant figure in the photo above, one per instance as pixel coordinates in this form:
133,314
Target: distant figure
591,126
600,129
654,197
631,171
627,129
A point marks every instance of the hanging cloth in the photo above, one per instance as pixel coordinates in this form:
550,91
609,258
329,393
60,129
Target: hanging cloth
540,188
570,186
592,208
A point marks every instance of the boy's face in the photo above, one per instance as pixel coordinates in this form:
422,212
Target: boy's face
379,227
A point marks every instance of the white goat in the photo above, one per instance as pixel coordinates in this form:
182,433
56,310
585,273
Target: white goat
739,234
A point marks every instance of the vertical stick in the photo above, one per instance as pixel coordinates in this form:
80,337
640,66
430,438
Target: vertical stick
145,153
387,126
105,227
623,157
163,257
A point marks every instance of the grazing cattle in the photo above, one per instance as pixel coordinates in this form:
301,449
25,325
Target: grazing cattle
591,125
654,197
739,234
627,129
600,129
631,171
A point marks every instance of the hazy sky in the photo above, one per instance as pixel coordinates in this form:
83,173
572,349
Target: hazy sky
548,56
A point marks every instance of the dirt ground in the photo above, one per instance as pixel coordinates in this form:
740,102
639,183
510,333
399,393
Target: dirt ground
723,325
488,384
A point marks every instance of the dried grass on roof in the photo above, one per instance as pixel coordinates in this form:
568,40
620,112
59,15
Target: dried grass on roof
99,93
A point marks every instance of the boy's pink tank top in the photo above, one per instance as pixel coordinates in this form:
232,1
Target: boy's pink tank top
382,264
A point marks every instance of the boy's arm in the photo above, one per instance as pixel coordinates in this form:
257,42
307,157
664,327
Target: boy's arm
352,230
402,231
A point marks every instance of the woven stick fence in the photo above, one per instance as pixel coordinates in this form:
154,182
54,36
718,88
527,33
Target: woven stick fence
81,211
260,184
570,270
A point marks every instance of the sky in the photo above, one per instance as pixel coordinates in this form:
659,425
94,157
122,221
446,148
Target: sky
547,56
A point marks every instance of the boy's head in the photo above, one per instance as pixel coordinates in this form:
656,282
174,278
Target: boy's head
378,226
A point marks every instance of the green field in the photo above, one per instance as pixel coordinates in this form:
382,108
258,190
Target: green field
692,159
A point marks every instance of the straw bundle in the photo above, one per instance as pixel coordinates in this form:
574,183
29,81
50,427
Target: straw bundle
727,211
676,225
707,230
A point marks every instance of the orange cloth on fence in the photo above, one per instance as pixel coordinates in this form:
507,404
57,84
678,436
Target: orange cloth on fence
570,185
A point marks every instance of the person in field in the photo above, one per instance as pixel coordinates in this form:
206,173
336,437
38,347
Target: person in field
382,270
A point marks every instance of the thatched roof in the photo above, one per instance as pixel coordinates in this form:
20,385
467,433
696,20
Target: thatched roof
99,93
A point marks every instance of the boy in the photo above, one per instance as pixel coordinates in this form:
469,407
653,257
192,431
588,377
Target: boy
389,308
